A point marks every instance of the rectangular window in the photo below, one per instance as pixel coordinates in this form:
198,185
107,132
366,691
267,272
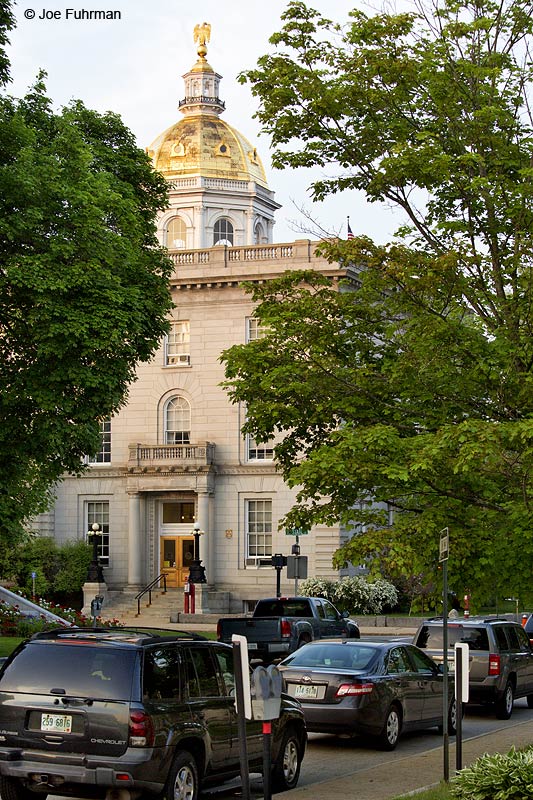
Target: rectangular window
98,511
103,456
258,532
259,452
177,344
254,330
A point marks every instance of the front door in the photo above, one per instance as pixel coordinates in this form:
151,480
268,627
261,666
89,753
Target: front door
177,552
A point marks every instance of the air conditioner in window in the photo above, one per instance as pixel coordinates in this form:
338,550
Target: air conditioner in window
180,359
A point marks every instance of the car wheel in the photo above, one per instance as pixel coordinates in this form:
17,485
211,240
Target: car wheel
183,782
14,789
355,633
452,719
530,701
504,705
388,738
286,769
303,640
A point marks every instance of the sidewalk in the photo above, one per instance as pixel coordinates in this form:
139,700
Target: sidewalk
404,775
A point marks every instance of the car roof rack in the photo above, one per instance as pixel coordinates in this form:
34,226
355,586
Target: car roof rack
155,634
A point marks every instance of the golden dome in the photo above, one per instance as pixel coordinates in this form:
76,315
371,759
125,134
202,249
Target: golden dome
203,144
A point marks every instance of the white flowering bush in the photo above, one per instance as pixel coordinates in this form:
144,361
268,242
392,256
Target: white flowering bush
356,594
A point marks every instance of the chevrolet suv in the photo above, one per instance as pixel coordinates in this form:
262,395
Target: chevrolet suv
500,658
89,712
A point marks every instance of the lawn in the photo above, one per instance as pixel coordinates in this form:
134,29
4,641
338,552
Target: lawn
440,792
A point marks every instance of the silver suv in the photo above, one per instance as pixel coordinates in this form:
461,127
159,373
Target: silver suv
500,658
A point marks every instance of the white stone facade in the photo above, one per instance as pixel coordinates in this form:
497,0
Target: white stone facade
175,453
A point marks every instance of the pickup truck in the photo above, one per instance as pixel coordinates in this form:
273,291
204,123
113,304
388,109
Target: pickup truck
280,625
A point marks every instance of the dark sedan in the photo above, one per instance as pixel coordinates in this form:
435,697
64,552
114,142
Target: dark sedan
367,687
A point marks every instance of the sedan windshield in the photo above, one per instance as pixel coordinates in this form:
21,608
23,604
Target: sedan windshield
350,656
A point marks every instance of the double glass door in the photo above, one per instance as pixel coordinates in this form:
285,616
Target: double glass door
177,553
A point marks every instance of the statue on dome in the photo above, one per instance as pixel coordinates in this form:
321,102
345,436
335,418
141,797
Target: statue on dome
202,35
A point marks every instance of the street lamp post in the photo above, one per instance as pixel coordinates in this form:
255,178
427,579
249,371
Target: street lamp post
197,570
95,574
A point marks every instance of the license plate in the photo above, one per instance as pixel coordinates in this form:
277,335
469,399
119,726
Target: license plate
58,723
306,691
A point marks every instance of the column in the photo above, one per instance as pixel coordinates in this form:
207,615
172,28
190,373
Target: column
203,519
134,541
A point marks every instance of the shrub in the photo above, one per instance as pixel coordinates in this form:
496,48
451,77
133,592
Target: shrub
14,623
356,595
496,777
58,568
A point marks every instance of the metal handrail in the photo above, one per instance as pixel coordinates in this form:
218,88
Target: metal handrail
149,590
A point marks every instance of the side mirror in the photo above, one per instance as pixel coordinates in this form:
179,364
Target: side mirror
345,614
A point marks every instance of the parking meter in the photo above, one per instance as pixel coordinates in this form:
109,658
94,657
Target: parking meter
96,606
265,689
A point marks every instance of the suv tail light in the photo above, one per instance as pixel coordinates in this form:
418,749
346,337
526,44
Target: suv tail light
141,730
350,689
285,627
494,664
219,626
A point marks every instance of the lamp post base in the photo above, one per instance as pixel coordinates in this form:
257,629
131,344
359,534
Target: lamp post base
197,572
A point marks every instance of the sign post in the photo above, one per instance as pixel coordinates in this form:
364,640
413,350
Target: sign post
444,548
462,689
244,705
295,550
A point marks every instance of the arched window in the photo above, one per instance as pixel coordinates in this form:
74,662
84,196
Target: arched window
177,421
223,232
176,234
259,234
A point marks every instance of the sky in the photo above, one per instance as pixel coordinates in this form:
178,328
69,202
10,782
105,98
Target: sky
134,67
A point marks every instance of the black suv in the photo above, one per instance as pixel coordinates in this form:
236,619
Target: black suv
87,712
500,658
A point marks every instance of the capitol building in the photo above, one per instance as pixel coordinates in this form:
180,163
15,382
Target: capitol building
175,455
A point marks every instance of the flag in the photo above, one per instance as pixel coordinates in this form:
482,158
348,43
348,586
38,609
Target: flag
350,234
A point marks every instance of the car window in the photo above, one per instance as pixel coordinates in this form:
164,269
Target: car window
475,637
206,673
512,634
225,662
283,608
523,639
421,662
320,610
330,611
161,673
78,669
501,638
397,661
344,656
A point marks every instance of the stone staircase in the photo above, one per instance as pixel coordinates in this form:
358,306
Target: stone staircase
164,608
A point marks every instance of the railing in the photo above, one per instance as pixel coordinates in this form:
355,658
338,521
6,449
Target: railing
148,589
162,455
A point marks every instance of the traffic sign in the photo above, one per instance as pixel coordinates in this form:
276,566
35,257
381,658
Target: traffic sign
296,531
444,545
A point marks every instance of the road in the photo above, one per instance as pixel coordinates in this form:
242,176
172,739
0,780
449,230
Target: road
329,756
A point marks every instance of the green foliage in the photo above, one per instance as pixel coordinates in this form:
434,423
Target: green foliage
84,293
356,594
13,622
496,777
58,567
411,386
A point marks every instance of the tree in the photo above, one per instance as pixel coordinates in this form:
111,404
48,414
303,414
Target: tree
413,388
84,293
